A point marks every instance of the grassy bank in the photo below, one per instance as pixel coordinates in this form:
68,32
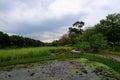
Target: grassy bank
30,55
115,66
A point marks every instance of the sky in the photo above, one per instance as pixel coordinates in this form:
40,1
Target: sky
48,20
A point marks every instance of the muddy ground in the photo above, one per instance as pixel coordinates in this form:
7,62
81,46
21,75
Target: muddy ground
72,69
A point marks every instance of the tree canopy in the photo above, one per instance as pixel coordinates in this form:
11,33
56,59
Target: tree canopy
110,27
17,41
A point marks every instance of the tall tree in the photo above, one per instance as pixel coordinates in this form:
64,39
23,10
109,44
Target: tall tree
75,31
91,40
110,27
79,25
4,40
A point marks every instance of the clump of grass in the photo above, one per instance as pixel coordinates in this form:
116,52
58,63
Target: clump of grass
16,54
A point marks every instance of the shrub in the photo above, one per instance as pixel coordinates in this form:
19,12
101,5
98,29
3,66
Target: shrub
92,42
116,48
97,41
84,46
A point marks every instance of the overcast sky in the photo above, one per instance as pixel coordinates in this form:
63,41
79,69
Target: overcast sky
47,20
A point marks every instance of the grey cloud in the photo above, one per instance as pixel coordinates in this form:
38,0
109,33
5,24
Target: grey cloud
29,17
48,25
5,6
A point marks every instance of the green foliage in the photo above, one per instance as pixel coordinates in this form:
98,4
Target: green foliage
97,41
84,46
75,31
78,25
17,54
102,35
86,35
110,27
4,40
17,41
116,48
115,66
64,40
90,39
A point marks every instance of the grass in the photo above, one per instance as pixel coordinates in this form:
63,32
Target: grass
116,53
108,52
30,55
36,59
18,54
115,66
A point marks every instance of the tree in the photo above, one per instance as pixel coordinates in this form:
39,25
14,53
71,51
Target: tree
75,31
79,25
4,40
64,40
91,40
110,27
17,41
97,41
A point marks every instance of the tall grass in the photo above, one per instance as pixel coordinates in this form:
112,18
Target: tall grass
16,54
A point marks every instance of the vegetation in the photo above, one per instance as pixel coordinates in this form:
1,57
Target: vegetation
110,27
89,41
24,53
16,41
104,35
115,66
44,55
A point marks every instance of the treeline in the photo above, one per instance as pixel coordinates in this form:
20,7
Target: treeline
105,34
16,41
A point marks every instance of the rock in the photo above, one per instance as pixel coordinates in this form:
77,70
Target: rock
75,52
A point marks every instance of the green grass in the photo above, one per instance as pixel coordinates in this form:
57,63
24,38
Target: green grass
18,54
108,52
115,66
30,55
116,53
37,59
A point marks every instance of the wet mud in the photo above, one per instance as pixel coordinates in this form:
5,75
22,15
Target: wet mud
72,69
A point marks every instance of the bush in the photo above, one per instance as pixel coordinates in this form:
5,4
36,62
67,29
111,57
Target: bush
92,42
116,48
97,41
84,46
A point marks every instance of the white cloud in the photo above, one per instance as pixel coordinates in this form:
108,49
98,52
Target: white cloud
49,36
39,11
35,12
65,7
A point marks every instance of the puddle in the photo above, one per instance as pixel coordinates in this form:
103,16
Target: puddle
74,69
